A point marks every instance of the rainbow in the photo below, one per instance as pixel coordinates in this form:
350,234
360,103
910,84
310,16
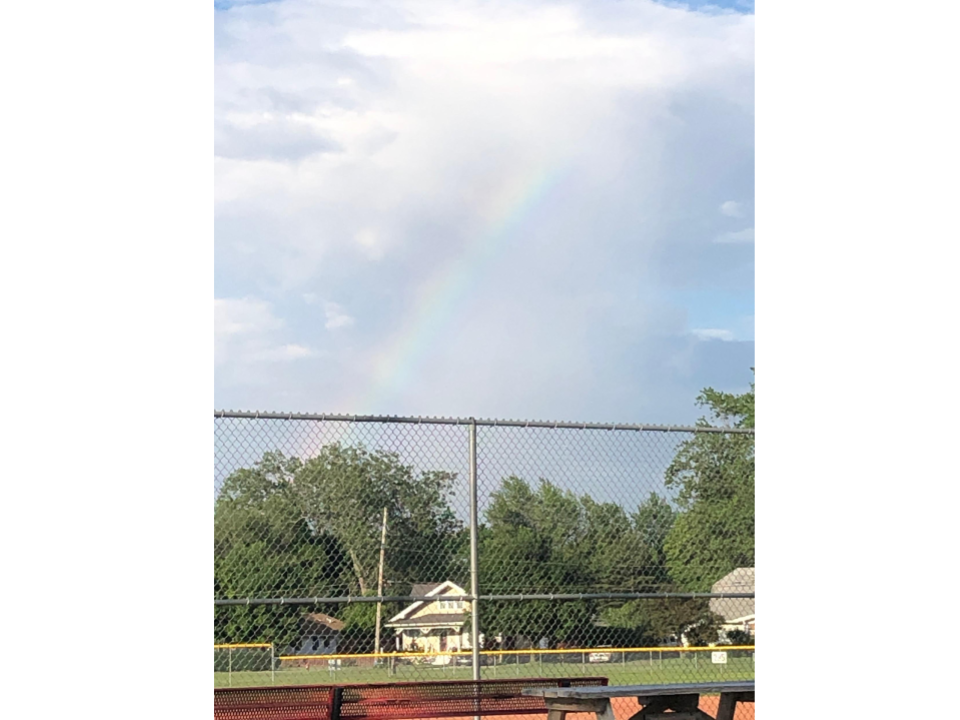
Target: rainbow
440,300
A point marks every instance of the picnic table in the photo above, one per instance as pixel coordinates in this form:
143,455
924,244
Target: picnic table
682,698
389,701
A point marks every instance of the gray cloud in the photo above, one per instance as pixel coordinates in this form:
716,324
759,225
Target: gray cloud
511,205
278,140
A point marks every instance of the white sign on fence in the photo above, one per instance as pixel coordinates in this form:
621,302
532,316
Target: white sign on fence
719,658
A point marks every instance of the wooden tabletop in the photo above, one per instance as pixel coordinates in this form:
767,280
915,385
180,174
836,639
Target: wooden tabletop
643,690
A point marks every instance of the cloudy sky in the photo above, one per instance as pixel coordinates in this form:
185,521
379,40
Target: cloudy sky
521,209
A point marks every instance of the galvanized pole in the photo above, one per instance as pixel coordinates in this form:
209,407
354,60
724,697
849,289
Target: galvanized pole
474,554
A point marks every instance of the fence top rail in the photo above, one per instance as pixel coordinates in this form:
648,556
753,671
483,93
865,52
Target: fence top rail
257,415
495,598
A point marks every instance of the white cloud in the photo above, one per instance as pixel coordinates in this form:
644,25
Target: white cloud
247,332
336,317
285,353
738,237
493,168
371,243
712,334
279,139
732,209
450,103
242,316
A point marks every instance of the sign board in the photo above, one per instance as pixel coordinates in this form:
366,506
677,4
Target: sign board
719,658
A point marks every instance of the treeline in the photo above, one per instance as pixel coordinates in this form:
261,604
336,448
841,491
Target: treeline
288,527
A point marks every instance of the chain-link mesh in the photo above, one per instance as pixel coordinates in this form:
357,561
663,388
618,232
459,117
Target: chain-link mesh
624,552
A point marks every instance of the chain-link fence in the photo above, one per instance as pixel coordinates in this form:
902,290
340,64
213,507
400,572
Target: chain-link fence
361,549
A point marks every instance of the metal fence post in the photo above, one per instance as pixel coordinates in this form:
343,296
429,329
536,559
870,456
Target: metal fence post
475,547
475,556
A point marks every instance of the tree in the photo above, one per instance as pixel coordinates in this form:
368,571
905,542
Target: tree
664,620
549,540
735,410
530,544
713,475
653,520
343,491
738,637
263,547
657,621
289,528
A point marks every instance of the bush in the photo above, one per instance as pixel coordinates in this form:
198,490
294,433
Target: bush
738,637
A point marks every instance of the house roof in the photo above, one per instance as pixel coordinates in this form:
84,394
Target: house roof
741,620
740,580
424,588
433,589
433,619
323,619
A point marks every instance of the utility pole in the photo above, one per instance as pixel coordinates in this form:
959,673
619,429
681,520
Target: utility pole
383,557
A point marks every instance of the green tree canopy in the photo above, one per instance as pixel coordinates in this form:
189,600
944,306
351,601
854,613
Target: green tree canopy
545,539
343,491
713,476
292,528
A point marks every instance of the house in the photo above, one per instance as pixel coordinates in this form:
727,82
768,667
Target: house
319,634
437,625
737,613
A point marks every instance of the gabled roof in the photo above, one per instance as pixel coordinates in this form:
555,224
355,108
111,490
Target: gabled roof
741,620
437,589
740,580
423,588
323,619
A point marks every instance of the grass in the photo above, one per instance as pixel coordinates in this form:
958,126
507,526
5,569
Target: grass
695,667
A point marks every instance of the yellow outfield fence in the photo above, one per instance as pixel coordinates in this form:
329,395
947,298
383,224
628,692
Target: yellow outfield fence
234,661
527,651
467,653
